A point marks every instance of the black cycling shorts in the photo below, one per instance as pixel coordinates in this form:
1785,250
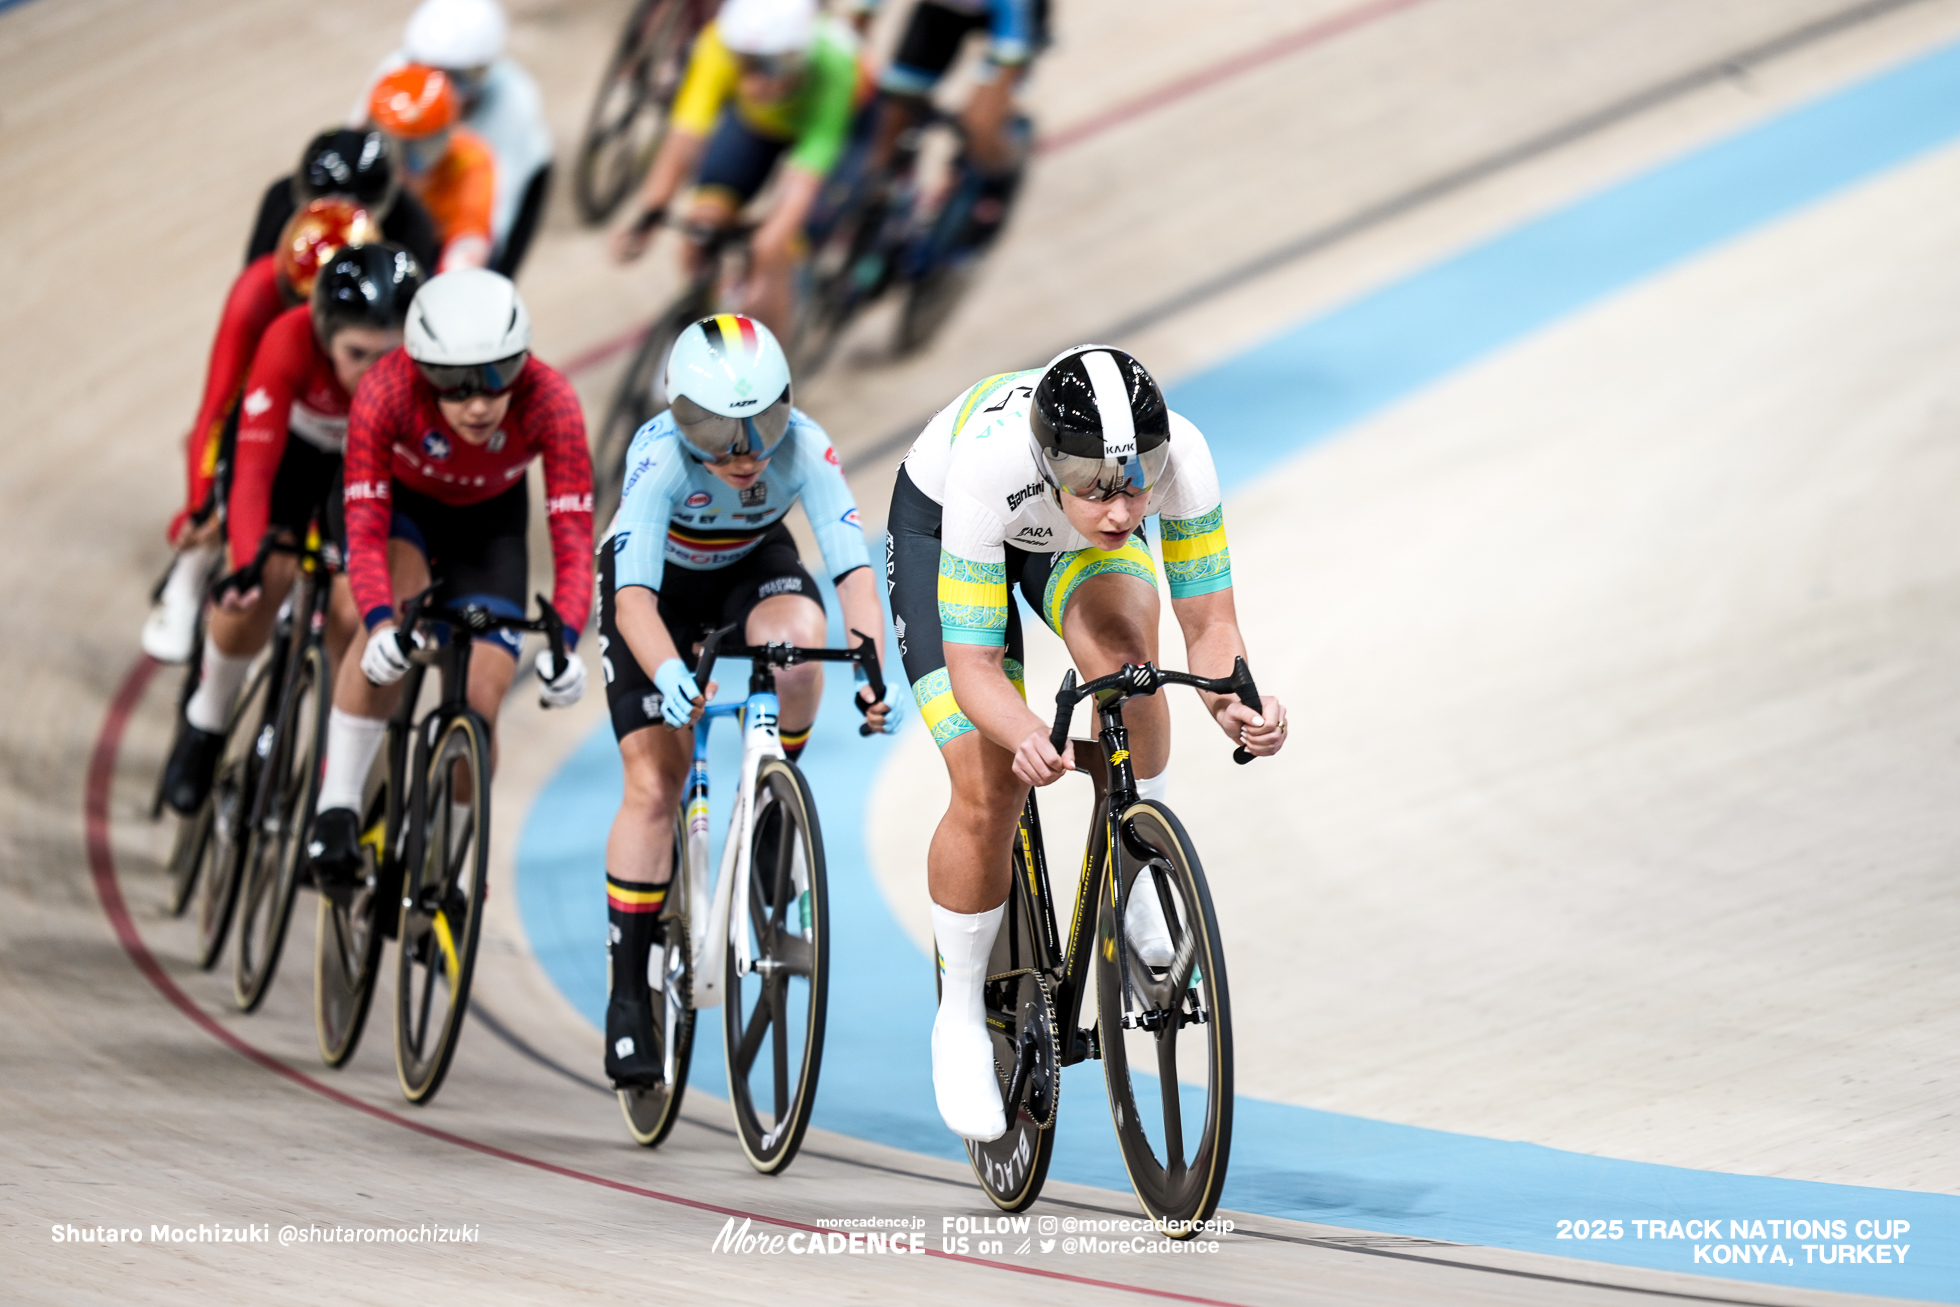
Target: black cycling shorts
738,159
478,553
692,603
306,487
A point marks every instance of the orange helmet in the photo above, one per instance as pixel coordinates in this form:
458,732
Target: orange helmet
413,101
313,234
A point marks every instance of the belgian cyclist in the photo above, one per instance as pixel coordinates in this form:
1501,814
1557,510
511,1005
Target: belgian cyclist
767,78
700,543
439,440
348,164
286,467
449,168
499,102
1042,480
269,286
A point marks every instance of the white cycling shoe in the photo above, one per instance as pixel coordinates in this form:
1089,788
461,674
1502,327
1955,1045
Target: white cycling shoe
1144,925
171,628
963,1079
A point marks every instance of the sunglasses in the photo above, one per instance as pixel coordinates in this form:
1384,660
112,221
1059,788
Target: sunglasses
465,381
718,439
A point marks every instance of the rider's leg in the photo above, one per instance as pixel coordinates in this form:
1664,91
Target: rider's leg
985,118
639,867
792,619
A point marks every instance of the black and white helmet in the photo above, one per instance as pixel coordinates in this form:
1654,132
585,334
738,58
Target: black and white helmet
1099,423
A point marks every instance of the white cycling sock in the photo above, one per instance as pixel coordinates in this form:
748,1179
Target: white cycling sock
963,1075
352,743
1156,787
1143,919
216,688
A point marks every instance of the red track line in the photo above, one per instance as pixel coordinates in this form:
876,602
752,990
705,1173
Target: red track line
1316,34
102,867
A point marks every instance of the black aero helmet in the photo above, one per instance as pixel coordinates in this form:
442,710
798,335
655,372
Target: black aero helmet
1099,423
347,161
365,286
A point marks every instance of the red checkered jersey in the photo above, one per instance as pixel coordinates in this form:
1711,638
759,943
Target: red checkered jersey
396,434
251,306
291,391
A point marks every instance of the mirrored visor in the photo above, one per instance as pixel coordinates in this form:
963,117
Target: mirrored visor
716,437
462,381
1106,478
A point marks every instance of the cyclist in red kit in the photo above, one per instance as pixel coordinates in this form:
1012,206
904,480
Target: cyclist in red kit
438,443
269,286
285,471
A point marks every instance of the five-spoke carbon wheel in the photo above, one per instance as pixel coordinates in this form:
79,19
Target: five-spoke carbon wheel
276,849
774,1015
227,812
628,119
651,1110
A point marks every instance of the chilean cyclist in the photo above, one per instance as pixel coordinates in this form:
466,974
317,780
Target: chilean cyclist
269,286
765,79
700,543
291,431
439,439
1042,480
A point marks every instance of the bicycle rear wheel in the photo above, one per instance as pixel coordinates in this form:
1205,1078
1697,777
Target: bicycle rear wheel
276,848
1021,1019
651,1110
347,941
1174,1024
448,866
230,808
628,118
774,1016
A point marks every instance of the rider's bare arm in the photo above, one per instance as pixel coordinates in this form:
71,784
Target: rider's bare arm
675,163
996,708
1211,641
775,240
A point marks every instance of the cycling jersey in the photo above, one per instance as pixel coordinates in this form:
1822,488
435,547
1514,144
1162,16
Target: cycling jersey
937,28
459,191
254,301
291,390
816,115
673,510
396,434
976,461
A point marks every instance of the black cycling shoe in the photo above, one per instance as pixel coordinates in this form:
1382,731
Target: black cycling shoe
193,762
334,850
634,1058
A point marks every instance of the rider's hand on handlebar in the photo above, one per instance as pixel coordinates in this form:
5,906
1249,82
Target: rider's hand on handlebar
631,241
681,700
1260,734
383,661
882,716
564,689
1036,761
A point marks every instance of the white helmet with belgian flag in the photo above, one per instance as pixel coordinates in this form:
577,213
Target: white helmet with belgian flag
728,382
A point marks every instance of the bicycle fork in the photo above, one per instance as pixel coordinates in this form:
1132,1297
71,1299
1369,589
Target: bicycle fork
728,917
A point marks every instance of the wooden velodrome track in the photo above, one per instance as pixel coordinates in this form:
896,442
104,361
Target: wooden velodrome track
1370,139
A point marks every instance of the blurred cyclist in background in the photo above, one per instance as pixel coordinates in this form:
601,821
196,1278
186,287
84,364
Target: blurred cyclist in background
765,79
268,287
285,476
439,439
349,164
448,167
497,100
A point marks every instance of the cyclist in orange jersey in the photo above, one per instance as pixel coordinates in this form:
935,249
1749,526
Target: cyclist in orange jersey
449,168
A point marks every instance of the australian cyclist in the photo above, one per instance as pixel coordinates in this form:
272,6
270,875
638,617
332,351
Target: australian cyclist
700,543
767,78
1042,480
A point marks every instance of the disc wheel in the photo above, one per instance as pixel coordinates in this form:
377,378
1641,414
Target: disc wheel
629,115
774,1016
651,1110
641,395
228,811
448,864
277,847
1166,1032
347,941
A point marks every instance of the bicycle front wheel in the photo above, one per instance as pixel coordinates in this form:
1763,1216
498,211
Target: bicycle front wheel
277,845
774,1015
651,1110
1166,1031
628,119
347,941
229,811
448,860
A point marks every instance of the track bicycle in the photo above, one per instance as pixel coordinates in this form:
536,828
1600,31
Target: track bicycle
1035,985
426,852
755,940
629,116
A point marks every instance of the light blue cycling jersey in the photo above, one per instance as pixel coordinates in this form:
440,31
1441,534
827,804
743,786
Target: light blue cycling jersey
674,510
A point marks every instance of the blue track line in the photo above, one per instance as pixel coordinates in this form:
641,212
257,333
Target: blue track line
1258,410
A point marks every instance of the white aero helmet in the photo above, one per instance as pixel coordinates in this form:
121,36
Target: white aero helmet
456,33
728,383
769,28
1099,423
468,332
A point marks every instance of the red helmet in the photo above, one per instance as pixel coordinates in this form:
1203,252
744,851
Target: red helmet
311,237
413,101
